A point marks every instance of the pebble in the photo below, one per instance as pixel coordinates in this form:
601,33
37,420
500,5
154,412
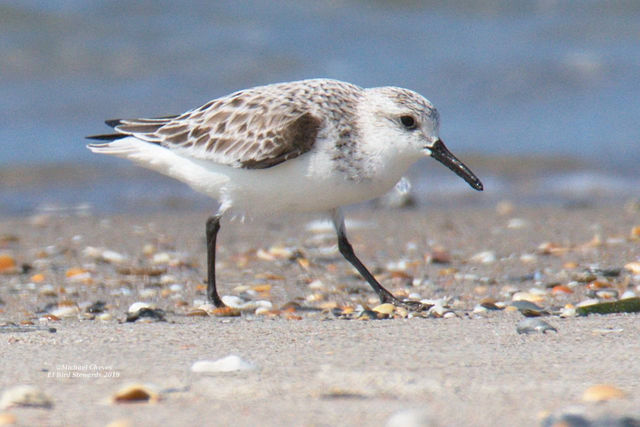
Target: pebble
385,308
549,248
79,275
530,325
633,267
505,207
113,257
105,317
561,290
146,311
371,315
410,418
121,422
136,393
517,223
478,309
161,258
147,293
577,420
8,264
607,294
628,294
225,312
243,305
231,363
438,255
137,306
568,311
484,257
602,392
25,395
317,285
528,258
7,419
528,296
528,309
65,311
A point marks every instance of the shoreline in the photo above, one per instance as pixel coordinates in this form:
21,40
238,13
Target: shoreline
470,366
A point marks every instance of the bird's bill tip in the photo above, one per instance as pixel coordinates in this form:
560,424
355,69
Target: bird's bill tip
440,152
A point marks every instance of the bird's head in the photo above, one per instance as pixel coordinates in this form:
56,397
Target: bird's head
406,123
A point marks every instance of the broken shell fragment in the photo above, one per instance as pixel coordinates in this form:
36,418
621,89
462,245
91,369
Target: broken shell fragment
231,363
528,309
136,393
629,305
633,267
602,392
385,308
7,264
25,395
530,325
485,257
225,312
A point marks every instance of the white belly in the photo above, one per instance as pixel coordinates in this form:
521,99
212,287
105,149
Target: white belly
306,183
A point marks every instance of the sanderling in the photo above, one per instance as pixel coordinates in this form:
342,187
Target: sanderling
311,145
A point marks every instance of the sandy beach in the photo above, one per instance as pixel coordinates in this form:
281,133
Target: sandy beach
68,282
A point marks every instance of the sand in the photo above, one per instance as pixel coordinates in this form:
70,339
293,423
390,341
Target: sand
469,368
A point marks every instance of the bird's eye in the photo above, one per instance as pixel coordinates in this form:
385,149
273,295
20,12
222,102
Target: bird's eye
408,122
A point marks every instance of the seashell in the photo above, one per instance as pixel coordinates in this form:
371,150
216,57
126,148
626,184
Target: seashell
282,252
198,312
530,325
517,223
161,258
264,255
484,257
137,306
65,311
505,207
262,288
561,290
37,278
528,296
25,395
136,393
231,363
8,264
225,312
528,258
385,308
410,418
602,392
528,309
633,267
548,248
112,257
7,419
628,305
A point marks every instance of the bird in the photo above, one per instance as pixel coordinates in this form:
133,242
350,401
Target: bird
300,146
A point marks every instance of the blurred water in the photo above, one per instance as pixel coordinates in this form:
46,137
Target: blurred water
543,78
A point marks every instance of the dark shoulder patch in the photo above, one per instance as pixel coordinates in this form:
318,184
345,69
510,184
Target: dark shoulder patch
294,139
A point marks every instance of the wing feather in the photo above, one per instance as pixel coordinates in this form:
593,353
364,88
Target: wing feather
254,128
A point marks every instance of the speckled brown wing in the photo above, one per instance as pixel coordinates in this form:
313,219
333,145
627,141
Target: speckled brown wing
252,129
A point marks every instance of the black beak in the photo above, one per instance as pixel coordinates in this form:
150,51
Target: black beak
444,156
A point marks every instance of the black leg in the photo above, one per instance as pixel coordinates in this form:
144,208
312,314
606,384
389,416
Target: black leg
347,251
213,225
